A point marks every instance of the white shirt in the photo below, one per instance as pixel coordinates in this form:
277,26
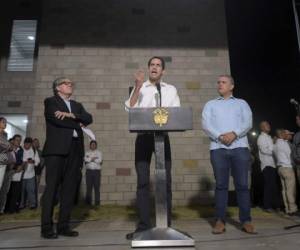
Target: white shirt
17,176
282,152
95,163
29,167
265,150
148,96
68,103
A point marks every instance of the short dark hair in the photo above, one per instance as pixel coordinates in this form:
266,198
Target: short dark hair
28,140
16,135
163,63
2,118
93,141
231,79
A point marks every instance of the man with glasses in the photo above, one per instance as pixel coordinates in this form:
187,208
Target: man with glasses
63,152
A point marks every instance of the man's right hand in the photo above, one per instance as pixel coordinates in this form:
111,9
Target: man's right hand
139,78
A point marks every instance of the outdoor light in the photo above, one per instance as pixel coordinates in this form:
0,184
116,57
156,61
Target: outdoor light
254,133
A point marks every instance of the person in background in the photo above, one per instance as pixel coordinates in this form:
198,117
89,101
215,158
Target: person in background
7,180
296,150
282,152
268,168
39,168
4,148
93,161
14,194
31,159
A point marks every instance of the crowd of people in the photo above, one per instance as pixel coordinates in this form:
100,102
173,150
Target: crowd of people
279,158
21,168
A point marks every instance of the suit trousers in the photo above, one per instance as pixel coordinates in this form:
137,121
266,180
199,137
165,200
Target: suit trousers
144,147
61,172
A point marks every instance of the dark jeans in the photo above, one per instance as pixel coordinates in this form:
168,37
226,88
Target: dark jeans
5,188
271,188
93,180
14,197
144,147
237,162
62,172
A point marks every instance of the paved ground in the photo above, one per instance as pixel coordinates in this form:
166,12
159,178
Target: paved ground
109,235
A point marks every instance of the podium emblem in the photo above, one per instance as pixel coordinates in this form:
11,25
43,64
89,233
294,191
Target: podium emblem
160,116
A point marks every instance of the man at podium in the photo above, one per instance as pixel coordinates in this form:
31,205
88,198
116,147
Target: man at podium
148,94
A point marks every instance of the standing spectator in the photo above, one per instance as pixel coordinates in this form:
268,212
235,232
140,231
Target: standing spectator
64,153
38,168
267,163
282,152
93,161
296,149
31,160
7,180
226,120
14,194
4,148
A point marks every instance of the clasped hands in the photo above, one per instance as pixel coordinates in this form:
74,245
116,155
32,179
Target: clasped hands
227,138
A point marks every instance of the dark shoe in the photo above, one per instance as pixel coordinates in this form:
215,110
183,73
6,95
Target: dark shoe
219,227
129,236
49,235
68,233
248,228
268,210
297,213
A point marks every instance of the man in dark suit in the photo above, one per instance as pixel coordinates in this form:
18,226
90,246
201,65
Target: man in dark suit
63,152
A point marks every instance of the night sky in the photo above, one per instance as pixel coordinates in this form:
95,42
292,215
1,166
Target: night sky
265,59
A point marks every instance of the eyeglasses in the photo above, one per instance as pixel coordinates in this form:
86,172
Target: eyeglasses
67,83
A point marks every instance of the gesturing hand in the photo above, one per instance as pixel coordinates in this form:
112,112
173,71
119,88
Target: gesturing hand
139,78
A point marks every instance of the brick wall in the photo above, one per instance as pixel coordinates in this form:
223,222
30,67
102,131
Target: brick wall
99,45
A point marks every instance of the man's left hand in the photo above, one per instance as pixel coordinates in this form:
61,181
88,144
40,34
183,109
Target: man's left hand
62,115
228,138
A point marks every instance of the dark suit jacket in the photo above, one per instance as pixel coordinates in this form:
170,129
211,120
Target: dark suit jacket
59,133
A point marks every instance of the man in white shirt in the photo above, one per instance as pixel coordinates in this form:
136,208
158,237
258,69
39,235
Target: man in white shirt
93,161
268,168
152,93
30,160
282,152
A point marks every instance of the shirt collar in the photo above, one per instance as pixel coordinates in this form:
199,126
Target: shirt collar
148,83
222,98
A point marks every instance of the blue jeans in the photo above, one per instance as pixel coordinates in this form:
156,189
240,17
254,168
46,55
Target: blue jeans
237,162
28,192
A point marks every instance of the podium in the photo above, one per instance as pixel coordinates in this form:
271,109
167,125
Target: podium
159,121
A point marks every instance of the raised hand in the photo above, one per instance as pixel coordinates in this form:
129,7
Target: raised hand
139,78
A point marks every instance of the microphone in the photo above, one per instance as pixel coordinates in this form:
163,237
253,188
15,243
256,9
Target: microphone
293,101
159,92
